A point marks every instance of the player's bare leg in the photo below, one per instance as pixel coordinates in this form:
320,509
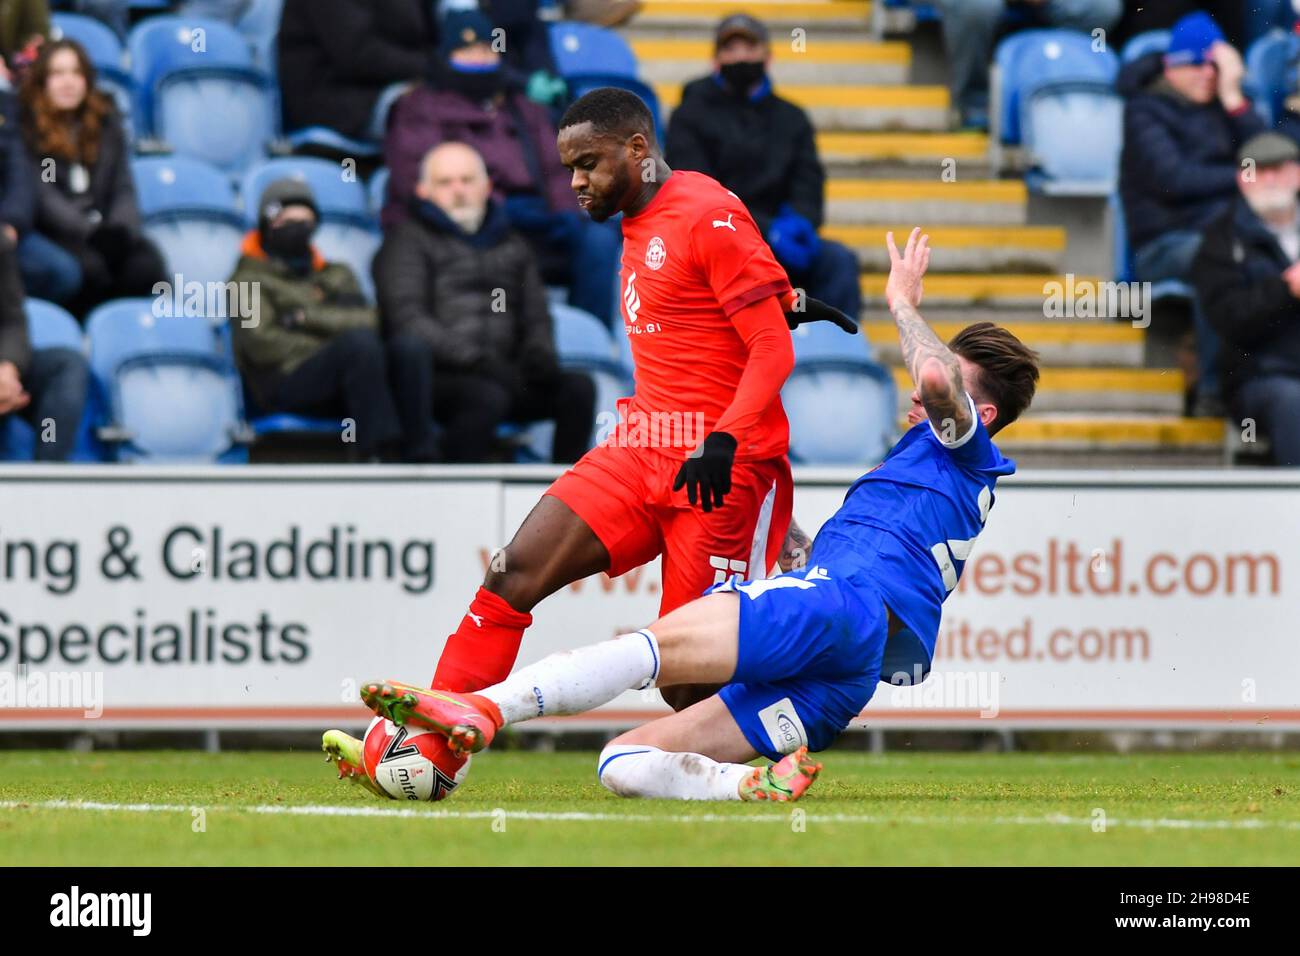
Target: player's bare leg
699,645
552,548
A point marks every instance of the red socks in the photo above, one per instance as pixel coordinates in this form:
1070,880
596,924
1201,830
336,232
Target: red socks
484,647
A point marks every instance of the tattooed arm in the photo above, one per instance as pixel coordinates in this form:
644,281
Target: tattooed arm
795,549
933,366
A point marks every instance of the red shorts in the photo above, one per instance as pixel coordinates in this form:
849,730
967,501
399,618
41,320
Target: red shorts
624,494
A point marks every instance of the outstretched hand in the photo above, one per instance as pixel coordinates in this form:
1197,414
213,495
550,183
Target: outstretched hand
907,268
799,310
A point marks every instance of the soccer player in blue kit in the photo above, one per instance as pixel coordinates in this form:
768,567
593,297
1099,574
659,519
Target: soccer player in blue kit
799,654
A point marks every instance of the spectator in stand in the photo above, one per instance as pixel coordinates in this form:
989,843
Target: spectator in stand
1247,275
1184,121
46,387
970,32
732,126
48,272
456,276
313,347
342,63
85,195
468,98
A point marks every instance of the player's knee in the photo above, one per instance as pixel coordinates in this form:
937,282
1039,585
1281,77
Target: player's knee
511,578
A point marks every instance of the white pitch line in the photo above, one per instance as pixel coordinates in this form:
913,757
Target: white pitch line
309,810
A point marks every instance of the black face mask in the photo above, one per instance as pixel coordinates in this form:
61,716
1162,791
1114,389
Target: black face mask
739,77
474,85
291,242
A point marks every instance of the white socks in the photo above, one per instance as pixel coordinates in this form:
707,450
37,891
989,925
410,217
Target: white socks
637,770
573,682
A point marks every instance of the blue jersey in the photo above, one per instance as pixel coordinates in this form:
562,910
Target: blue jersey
914,519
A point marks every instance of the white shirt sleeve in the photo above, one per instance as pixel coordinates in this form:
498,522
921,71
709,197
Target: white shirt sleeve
974,424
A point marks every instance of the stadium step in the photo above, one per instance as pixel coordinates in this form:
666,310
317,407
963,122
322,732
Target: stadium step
900,155
1139,390
966,289
678,59
701,16
1098,440
979,202
1080,344
853,107
963,248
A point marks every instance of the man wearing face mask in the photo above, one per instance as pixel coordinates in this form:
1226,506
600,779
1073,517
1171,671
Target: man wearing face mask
469,97
458,280
731,126
1247,275
312,346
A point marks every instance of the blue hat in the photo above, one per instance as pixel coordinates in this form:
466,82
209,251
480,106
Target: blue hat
1191,38
463,28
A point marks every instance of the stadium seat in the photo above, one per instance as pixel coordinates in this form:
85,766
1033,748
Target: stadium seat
181,67
583,48
49,326
348,231
260,25
580,336
1271,71
1166,288
1152,41
172,395
189,209
376,190
1048,84
822,341
841,412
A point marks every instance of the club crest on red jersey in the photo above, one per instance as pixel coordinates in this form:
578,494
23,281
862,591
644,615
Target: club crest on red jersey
655,253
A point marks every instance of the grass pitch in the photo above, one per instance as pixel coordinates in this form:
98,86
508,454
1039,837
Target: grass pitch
189,808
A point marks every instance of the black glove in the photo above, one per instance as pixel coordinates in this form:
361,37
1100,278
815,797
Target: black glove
707,473
815,310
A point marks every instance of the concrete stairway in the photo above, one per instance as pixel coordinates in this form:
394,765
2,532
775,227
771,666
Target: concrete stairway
893,161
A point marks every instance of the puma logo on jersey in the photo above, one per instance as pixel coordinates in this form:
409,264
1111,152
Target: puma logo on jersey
475,618
631,299
718,222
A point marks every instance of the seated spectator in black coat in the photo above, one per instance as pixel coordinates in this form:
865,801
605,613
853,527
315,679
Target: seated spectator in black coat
342,63
731,126
456,276
1185,118
1247,276
46,387
85,195
313,346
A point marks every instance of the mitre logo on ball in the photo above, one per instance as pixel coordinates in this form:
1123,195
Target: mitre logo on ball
655,253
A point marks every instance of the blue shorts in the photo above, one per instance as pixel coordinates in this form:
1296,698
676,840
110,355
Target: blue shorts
811,646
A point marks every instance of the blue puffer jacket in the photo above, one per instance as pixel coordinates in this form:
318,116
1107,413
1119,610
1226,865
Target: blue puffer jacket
1178,168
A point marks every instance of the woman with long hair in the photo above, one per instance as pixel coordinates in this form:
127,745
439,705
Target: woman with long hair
86,199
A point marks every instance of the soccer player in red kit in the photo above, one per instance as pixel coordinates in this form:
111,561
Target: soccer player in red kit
709,312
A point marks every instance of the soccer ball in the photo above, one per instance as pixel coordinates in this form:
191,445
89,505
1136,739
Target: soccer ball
411,763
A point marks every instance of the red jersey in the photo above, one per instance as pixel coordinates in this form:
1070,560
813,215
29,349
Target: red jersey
692,258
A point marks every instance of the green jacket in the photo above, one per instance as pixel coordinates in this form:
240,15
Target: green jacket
329,301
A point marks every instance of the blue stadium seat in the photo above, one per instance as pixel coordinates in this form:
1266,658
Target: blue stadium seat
1166,288
582,83
172,394
1152,41
339,200
348,231
189,209
583,48
1049,84
841,412
376,190
322,137
260,25
580,336
821,341
1271,71
181,67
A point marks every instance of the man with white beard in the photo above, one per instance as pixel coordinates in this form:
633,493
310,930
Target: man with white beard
1247,276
